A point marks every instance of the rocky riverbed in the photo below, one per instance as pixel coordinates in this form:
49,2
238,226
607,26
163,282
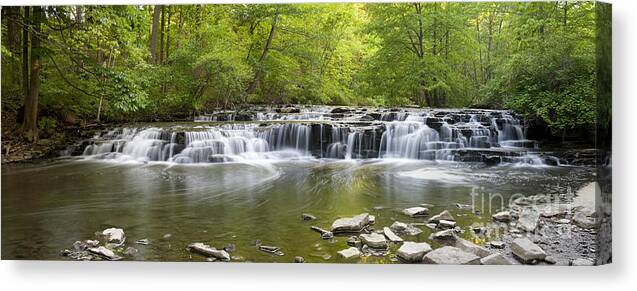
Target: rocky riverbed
540,229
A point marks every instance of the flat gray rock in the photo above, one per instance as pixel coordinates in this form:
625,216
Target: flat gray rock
495,259
374,240
413,252
391,236
349,253
528,219
416,211
351,224
584,221
209,251
404,228
105,253
470,247
527,251
444,215
446,236
503,216
114,235
446,223
451,256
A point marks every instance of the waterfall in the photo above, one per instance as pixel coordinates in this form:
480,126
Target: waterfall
407,140
462,135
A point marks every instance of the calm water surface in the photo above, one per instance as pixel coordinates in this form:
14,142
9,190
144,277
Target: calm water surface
46,207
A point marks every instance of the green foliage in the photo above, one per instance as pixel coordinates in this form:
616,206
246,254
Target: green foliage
47,123
551,73
535,58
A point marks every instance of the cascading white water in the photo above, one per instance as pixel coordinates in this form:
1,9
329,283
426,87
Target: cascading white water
203,145
407,140
461,135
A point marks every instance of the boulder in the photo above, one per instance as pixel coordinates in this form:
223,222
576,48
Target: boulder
416,211
374,240
350,224
413,252
349,253
404,228
446,236
391,236
470,247
208,251
114,236
444,215
584,221
105,253
527,251
503,216
450,256
446,224
495,259
528,219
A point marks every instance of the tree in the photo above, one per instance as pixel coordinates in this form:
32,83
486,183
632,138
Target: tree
154,35
30,128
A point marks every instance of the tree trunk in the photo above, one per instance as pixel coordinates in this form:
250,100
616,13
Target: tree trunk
259,71
153,35
30,128
13,29
162,35
79,16
168,33
25,54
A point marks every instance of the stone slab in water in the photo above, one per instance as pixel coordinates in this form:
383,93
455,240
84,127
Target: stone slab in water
470,247
444,215
351,224
528,219
209,251
412,251
114,236
527,251
451,256
503,216
416,211
349,253
495,259
105,253
404,228
391,236
374,240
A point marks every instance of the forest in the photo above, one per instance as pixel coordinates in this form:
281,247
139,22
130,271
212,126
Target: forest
85,64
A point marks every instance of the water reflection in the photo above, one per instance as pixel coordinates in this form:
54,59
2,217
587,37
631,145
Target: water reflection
45,208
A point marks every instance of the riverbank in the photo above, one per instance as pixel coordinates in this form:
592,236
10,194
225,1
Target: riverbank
16,149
